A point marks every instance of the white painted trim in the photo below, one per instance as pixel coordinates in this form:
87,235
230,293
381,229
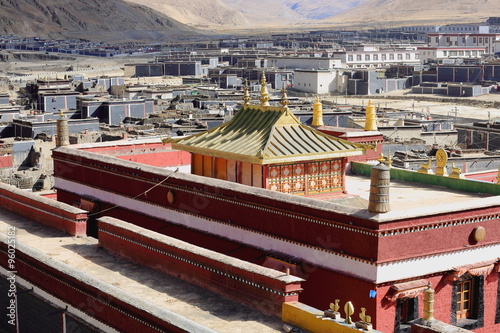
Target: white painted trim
385,272
436,263
325,259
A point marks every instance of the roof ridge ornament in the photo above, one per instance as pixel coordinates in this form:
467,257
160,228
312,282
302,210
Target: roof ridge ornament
264,93
246,94
317,113
284,98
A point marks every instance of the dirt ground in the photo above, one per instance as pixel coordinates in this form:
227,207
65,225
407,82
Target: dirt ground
484,107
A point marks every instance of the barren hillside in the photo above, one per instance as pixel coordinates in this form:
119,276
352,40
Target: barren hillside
112,20
387,13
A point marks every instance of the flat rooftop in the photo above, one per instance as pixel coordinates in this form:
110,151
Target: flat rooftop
406,195
409,199
195,303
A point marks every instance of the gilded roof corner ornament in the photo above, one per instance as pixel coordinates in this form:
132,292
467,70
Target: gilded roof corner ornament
264,93
246,94
284,98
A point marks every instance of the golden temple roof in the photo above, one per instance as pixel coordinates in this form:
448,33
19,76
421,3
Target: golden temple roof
264,135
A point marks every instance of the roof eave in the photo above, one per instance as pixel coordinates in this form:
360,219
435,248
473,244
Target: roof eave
254,159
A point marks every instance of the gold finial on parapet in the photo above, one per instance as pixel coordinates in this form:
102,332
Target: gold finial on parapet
365,321
246,94
456,172
388,160
371,117
428,303
264,93
333,311
349,311
441,160
364,317
381,158
335,307
284,98
426,168
498,175
317,113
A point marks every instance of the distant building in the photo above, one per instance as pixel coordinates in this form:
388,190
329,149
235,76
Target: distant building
113,112
318,81
375,56
370,82
304,62
31,128
4,99
463,44
53,101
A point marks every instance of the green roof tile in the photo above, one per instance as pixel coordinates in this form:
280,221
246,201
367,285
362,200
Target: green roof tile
265,135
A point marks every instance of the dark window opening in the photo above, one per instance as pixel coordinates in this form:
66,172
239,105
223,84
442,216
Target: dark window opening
406,311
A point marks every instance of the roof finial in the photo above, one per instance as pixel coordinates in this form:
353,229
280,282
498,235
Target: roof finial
284,98
317,113
264,94
246,94
371,117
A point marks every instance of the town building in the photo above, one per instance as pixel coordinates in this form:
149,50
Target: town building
373,56
114,111
460,44
319,81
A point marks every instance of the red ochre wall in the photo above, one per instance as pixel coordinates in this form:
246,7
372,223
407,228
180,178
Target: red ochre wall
160,159
261,288
6,161
438,233
43,210
296,222
323,286
374,140
154,154
99,302
443,286
490,176
291,221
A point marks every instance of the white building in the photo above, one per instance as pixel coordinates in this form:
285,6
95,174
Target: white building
486,41
436,53
319,81
377,57
304,62
452,28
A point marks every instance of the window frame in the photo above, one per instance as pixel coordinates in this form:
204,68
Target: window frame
402,325
475,318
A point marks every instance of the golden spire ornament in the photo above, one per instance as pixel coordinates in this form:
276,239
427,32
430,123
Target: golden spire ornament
284,98
264,93
246,94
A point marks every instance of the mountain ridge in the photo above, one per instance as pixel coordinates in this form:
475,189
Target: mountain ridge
88,19
168,20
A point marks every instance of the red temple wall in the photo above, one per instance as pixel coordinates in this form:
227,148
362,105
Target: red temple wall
235,279
43,210
105,306
254,211
293,220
